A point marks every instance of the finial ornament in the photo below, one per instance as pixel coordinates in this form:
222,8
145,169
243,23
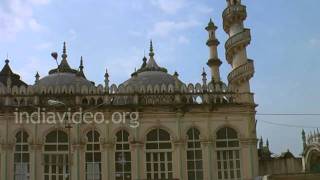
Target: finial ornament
151,53
64,51
81,63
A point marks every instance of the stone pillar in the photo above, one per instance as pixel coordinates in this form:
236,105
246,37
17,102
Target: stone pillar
79,162
137,165
209,160
36,168
108,157
249,158
179,160
7,162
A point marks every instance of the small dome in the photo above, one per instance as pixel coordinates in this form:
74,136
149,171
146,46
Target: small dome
151,78
151,73
64,79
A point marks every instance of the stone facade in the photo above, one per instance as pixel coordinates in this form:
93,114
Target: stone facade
186,131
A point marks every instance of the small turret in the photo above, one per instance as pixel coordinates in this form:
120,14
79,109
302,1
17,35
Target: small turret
37,76
106,81
304,140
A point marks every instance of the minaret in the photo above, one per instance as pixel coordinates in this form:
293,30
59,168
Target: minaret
106,81
236,54
37,76
213,62
304,140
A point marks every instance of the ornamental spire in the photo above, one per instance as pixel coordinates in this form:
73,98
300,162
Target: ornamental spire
151,53
81,64
64,52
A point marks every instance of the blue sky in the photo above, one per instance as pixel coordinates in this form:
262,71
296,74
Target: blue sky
114,34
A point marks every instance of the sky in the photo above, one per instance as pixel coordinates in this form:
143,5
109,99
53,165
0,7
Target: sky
115,34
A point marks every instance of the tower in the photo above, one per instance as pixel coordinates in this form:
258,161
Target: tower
236,54
213,62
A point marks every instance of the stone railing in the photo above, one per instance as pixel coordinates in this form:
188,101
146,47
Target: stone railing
240,39
244,71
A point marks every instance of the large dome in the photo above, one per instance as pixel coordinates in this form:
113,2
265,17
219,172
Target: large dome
64,79
151,78
64,75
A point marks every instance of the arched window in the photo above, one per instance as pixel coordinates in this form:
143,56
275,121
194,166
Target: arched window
159,155
123,156
93,156
194,155
56,164
228,154
21,157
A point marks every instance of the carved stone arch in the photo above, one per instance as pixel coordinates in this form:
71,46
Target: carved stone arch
163,88
64,89
170,88
227,125
193,125
30,90
51,129
309,152
84,90
15,90
210,87
12,137
100,89
190,88
113,89
22,90
57,89
123,128
156,89
71,89
173,136
142,89
129,89
84,101
92,90
43,90
100,100
183,88
149,89
198,88
87,129
50,90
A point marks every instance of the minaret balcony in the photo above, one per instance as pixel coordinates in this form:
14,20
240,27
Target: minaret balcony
233,14
235,42
242,73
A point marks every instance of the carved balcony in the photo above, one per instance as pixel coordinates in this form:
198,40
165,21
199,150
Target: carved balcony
233,14
241,39
242,73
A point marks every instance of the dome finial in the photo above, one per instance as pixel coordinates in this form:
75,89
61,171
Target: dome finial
81,63
151,53
64,51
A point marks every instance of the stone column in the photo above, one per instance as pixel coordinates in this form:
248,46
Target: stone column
179,160
79,162
6,171
109,160
249,158
36,168
136,160
209,160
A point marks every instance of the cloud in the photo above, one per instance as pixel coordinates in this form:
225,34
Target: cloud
169,6
42,46
17,15
183,40
165,28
